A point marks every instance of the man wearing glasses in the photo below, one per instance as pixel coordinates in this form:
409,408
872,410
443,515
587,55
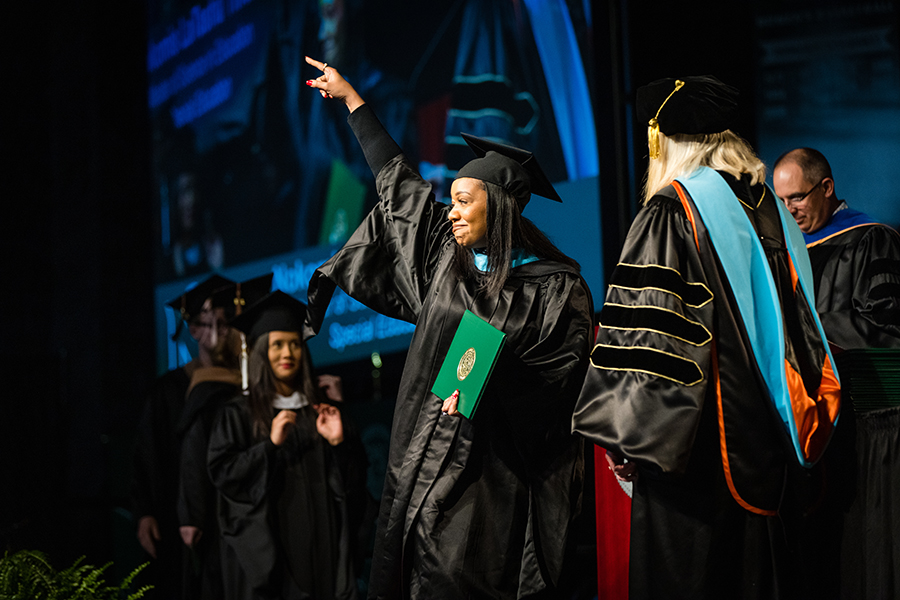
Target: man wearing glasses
856,270
855,260
157,449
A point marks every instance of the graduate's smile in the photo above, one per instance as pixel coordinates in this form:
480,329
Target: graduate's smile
284,354
468,212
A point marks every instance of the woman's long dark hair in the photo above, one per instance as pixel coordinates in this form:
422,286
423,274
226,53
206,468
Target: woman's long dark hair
506,229
261,382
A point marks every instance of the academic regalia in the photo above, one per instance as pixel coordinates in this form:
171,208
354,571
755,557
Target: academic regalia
154,484
284,512
856,267
705,333
211,387
698,531
469,508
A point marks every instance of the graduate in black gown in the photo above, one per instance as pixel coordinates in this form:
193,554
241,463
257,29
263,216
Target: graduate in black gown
211,387
481,507
711,375
289,478
154,484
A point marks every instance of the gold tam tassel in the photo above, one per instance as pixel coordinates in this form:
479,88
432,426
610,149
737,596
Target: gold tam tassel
653,134
653,138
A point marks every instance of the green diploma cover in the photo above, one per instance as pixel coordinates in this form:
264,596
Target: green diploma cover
469,362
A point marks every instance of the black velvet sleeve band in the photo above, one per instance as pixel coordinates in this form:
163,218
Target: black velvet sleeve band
376,142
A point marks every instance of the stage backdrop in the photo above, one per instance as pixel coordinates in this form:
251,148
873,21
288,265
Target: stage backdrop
254,172
829,77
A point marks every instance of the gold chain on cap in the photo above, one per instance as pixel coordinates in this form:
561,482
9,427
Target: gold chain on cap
653,134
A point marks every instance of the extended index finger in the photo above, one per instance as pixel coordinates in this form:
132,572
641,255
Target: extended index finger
317,64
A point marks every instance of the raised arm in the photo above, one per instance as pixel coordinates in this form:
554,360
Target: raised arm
388,262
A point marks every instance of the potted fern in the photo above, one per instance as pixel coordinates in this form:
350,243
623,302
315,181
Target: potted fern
28,575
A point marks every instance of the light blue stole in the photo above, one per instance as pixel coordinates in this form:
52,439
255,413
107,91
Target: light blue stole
744,260
518,257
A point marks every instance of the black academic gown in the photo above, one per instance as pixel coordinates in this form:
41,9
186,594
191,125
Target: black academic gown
857,276
475,508
675,389
154,485
196,493
283,510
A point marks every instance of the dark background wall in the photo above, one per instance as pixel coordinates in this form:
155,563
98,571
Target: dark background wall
76,350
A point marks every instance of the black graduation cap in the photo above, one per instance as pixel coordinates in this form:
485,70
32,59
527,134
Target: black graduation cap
190,304
235,297
515,170
275,312
689,105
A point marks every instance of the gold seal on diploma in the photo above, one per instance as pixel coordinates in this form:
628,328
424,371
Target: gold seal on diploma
465,364
473,334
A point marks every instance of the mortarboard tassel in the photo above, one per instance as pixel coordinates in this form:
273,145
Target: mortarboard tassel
244,360
239,303
653,134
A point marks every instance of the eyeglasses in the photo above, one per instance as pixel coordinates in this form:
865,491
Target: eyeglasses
798,199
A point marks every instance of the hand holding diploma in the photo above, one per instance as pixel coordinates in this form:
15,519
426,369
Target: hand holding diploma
451,405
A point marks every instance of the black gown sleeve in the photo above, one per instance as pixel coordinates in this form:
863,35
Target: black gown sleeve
145,474
537,386
352,462
377,145
388,261
195,487
871,316
154,483
239,466
653,346
537,396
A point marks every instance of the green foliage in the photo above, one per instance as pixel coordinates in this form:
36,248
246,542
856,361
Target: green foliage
28,575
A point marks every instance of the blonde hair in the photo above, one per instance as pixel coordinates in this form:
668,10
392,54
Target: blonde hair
682,154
